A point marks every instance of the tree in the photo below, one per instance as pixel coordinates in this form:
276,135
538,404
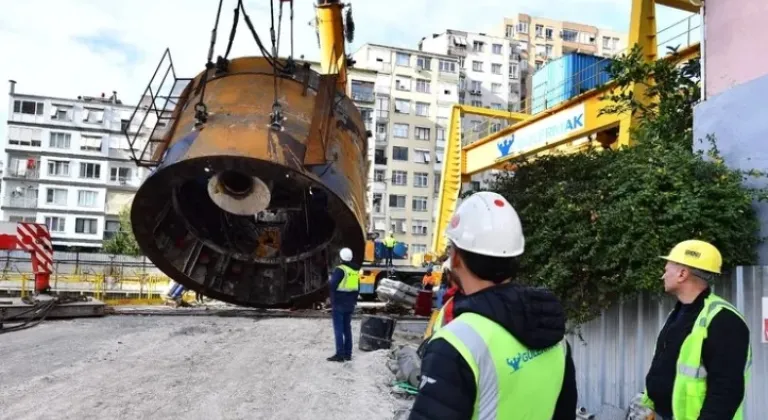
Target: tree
123,242
596,222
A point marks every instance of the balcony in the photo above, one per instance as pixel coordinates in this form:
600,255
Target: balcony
367,97
24,173
440,144
381,138
380,160
457,51
383,115
24,202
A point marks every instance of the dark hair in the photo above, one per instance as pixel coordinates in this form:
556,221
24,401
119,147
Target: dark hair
495,269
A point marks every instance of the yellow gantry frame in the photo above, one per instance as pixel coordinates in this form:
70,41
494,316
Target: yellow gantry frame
330,28
459,164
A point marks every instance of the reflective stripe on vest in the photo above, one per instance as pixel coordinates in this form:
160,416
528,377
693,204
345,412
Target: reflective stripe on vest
351,280
690,387
512,381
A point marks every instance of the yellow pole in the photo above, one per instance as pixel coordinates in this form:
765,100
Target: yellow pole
330,27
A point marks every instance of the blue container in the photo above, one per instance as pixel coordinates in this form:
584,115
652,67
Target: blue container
567,77
400,251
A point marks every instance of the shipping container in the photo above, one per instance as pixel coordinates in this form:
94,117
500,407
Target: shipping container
566,77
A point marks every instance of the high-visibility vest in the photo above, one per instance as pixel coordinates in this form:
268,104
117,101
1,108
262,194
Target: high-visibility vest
690,386
512,381
440,320
351,280
389,242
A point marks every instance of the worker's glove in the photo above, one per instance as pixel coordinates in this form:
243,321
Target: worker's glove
637,411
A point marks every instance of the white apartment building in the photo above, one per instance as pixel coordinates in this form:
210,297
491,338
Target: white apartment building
412,95
67,164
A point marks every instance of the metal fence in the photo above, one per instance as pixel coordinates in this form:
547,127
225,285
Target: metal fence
613,353
81,263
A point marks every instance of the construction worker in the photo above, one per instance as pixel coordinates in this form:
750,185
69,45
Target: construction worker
504,355
428,280
389,244
701,365
345,287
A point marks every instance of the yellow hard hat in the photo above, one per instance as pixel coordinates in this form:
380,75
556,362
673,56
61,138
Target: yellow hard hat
696,254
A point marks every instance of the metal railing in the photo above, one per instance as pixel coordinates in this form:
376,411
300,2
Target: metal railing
21,202
679,35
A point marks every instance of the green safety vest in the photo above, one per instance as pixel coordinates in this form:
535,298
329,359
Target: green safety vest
389,242
512,381
690,386
351,280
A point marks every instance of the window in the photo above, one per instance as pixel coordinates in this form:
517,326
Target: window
90,144
25,136
440,134
90,170
422,109
379,157
548,50
522,27
510,31
396,201
419,204
378,175
403,83
418,249
437,183
513,71
400,130
87,198
397,225
424,63
477,103
496,68
61,113
477,66
86,226
476,86
28,107
60,140
55,224
539,31
56,196
399,153
93,115
478,46
402,106
423,86
421,133
362,91
420,179
569,35
119,174
58,168
496,49
377,197
495,87
403,59
549,33
421,156
399,178
496,105
447,66
382,106
419,227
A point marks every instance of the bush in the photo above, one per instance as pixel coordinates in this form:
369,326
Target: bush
124,242
596,222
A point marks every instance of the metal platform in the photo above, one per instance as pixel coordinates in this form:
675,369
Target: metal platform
18,308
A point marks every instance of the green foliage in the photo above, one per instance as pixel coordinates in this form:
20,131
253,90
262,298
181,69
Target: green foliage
596,222
123,242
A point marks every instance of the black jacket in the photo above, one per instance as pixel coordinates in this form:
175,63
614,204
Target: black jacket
534,316
724,355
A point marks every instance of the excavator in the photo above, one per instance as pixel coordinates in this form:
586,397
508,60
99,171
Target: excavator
259,167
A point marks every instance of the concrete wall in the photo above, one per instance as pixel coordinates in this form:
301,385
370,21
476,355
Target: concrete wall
736,34
737,118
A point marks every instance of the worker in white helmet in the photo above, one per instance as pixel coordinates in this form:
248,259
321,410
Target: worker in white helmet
504,355
344,289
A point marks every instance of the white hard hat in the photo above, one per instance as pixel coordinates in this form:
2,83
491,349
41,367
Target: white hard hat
486,224
447,265
345,254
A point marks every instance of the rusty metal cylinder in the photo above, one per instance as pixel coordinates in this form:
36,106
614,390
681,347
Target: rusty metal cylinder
251,215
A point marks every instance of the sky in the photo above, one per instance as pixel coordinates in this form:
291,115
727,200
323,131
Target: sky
67,48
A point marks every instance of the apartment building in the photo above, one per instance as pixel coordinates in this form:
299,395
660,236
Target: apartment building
541,39
413,93
67,164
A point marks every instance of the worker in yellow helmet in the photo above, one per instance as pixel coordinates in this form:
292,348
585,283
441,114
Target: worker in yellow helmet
504,355
701,365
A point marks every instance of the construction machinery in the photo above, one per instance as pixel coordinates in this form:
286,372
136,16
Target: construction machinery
259,169
29,310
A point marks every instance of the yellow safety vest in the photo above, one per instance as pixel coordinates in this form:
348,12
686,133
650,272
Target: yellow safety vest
440,320
512,381
690,386
351,280
389,242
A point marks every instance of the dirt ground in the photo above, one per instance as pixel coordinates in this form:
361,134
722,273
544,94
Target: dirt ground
130,367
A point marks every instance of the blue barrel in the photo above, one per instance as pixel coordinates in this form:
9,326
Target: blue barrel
401,251
176,291
379,250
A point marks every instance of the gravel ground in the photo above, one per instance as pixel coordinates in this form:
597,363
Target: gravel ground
189,368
